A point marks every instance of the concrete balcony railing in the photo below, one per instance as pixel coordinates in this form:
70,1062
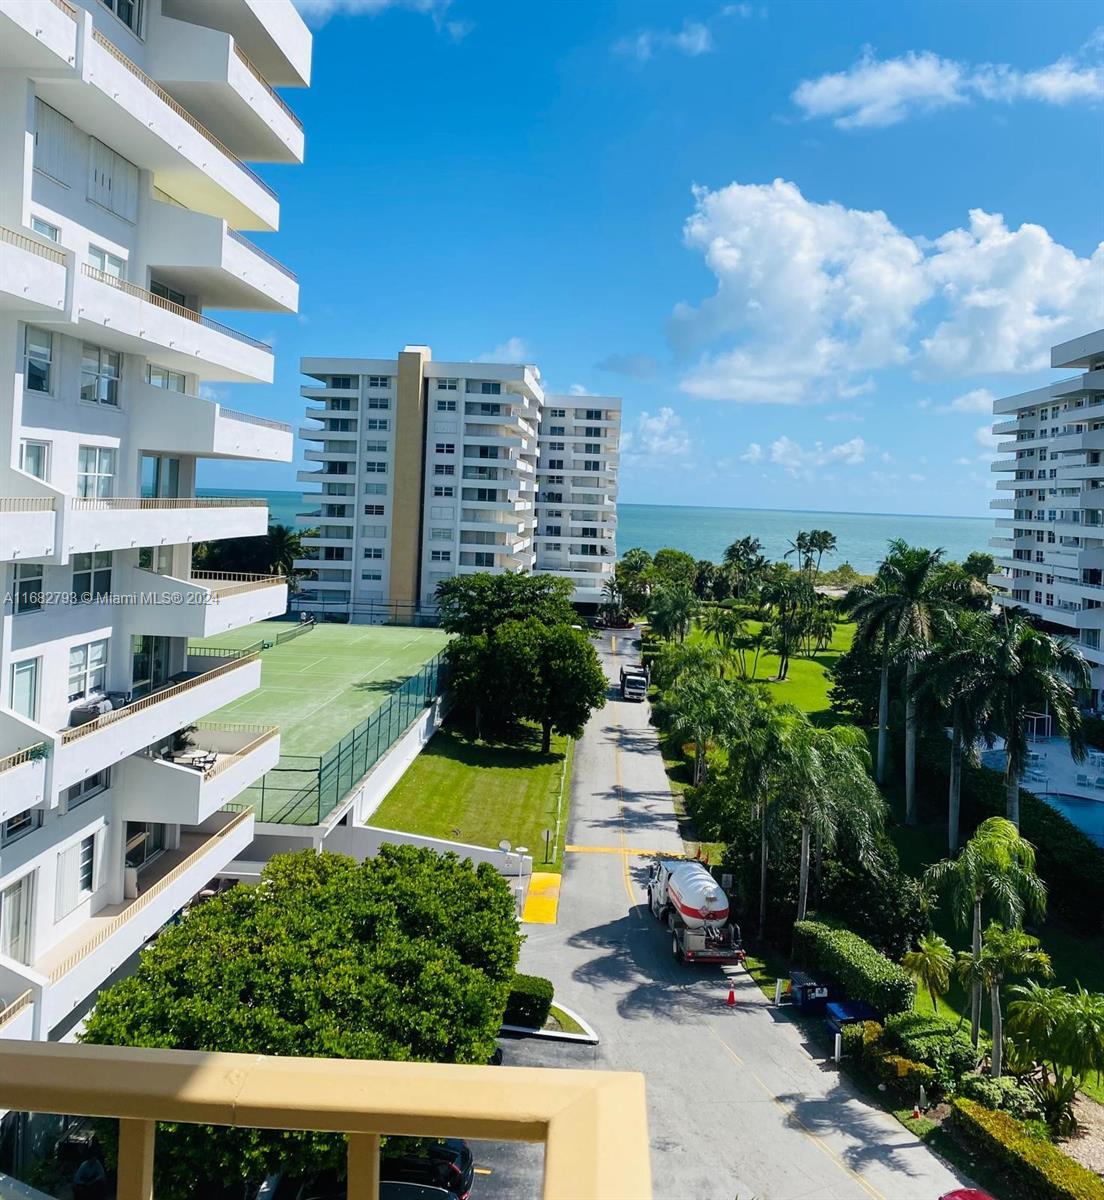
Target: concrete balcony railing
203,605
32,274
24,749
28,527
17,1018
123,522
207,683
592,1124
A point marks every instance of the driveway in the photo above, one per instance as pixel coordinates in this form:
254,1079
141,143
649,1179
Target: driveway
738,1107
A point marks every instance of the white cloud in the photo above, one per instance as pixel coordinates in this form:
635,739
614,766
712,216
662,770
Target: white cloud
984,436
875,92
753,454
796,459
692,39
980,400
512,350
811,297
844,414
578,389
319,11
635,366
658,436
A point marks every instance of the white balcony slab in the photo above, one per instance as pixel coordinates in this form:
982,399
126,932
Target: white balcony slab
79,964
177,793
182,424
122,522
271,32
17,1020
198,607
85,749
28,528
32,276
23,768
38,35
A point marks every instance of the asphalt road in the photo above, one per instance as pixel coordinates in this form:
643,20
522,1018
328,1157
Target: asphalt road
738,1107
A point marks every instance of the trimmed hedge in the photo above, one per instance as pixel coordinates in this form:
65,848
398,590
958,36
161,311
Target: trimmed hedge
932,1040
1006,1094
862,972
1040,1170
529,1002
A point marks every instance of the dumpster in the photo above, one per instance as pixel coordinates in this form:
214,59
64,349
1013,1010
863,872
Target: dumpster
809,994
846,1012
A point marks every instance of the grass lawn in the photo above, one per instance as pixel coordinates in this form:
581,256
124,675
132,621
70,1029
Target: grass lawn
807,684
479,792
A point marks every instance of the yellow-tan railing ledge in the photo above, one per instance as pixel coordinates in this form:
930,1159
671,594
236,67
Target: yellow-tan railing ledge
593,1124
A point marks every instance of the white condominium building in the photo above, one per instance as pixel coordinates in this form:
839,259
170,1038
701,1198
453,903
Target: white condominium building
1050,512
123,126
432,469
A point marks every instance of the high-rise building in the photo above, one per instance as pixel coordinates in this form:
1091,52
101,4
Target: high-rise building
432,469
123,193
1050,510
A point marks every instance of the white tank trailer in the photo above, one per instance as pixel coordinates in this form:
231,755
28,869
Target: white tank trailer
685,895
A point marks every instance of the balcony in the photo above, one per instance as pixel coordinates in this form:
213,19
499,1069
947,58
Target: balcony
123,522
207,683
28,527
33,274
23,752
126,317
203,605
593,1125
201,255
189,787
17,1019
76,966
38,35
178,423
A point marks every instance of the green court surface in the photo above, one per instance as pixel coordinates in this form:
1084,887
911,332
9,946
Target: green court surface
320,685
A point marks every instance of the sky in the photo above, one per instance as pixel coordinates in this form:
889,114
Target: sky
806,243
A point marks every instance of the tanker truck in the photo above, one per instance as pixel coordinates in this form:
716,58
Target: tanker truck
684,895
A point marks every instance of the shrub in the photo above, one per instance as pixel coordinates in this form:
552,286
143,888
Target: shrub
862,972
852,1044
529,1002
1040,1170
902,1073
1006,1094
932,1040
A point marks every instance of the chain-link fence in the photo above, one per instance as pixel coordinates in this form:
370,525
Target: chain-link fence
305,789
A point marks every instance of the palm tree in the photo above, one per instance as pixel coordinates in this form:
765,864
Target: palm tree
827,781
821,542
912,596
790,595
1003,952
702,708
801,549
997,867
930,964
613,601
282,548
729,630
1033,670
958,677
1062,1030
671,611
678,660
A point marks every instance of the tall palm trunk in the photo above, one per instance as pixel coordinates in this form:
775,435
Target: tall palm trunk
699,763
803,880
997,1061
910,746
762,867
1012,796
954,791
975,985
883,711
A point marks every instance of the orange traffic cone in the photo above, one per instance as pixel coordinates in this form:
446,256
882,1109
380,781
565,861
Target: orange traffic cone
916,1112
731,1001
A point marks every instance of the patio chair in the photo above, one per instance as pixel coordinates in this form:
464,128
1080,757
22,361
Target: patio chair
1083,781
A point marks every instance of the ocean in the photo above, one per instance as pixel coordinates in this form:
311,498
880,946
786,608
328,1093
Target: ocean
705,532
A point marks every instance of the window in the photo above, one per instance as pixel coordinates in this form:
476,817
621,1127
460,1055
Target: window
557,412
445,448
24,688
444,469
53,143
444,426
34,458
19,824
45,229
100,375
442,512
591,431
95,471
373,552
485,387
168,293
593,414
128,11
591,448
38,361
376,446
379,402
106,262
375,489
379,424
92,575
555,445
552,531
487,452
482,558
340,425
446,405
85,861
162,377
373,531
440,556
28,587
591,464
371,575
112,181
75,871
379,381
340,404
447,385
17,919
373,510
555,464
375,467
440,535
443,489
556,429
87,669
341,383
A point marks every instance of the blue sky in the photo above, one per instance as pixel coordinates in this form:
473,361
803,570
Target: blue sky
805,242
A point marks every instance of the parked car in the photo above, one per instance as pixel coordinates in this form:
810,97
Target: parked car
966,1194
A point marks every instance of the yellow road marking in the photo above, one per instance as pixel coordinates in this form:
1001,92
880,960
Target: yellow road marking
629,850
542,900
792,1116
621,822
483,1171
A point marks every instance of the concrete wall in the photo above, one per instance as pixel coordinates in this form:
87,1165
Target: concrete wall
361,842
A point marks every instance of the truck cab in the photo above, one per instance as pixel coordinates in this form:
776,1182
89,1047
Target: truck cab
634,683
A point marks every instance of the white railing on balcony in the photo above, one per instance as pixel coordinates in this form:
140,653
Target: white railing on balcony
179,109
255,72
227,759
27,503
125,503
275,262
18,757
189,314
231,583
25,242
16,1007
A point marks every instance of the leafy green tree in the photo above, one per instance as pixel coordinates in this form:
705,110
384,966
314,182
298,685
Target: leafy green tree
1003,952
746,565
801,551
705,579
472,604
930,964
996,867
635,576
980,565
674,568
680,660
703,708
408,956
569,683
730,631
272,554
672,609
790,596
613,601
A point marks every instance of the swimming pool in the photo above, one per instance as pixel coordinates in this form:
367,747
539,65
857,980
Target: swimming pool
1086,814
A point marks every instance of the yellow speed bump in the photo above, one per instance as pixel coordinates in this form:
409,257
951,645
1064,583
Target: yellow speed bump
542,901
629,850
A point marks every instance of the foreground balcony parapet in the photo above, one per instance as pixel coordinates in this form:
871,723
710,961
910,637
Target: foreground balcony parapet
28,527
593,1124
128,522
